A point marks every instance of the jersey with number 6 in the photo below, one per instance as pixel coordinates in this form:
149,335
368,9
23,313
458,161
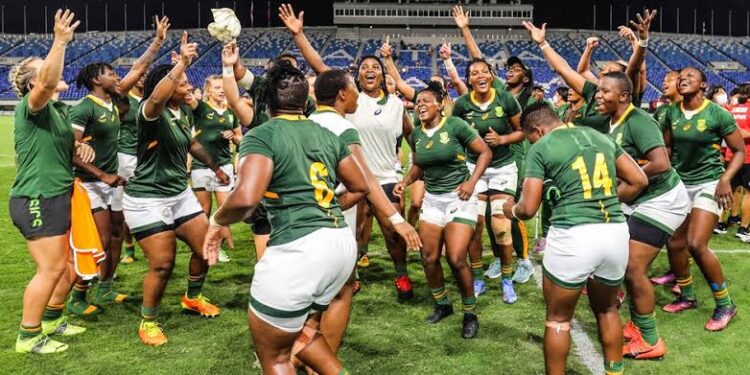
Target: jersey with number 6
580,161
300,198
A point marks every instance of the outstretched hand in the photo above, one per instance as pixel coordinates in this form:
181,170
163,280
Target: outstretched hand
230,54
445,50
162,26
64,25
644,23
537,35
385,49
459,17
188,51
292,22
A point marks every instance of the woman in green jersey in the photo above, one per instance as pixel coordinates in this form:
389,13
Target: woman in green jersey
216,128
495,114
40,199
159,206
293,164
697,127
591,173
449,210
652,217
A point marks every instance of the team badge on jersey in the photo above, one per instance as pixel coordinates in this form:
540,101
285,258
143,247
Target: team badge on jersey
428,145
618,140
701,125
102,118
221,120
444,138
499,112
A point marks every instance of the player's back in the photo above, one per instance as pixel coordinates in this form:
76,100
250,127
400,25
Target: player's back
580,161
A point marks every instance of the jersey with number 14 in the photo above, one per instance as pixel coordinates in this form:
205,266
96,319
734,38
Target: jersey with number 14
580,161
300,198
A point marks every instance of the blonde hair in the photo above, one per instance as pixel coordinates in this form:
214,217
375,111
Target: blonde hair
20,76
209,79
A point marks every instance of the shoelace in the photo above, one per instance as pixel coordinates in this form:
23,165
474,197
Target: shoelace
152,328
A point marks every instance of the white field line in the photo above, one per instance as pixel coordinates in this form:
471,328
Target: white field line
584,347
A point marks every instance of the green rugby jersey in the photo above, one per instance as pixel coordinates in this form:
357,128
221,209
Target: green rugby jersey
441,153
580,161
44,145
638,133
591,116
300,198
502,106
128,143
660,115
209,124
696,142
100,123
163,146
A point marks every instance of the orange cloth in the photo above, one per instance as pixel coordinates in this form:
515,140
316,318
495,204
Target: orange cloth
84,238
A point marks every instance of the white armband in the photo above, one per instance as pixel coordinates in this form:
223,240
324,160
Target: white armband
449,65
396,218
643,43
247,80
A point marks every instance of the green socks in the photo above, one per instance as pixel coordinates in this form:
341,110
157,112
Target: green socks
79,291
613,368
477,270
686,288
440,296
195,285
470,304
129,249
27,332
149,313
52,312
507,270
647,325
721,294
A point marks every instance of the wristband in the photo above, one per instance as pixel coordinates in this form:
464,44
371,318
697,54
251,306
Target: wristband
543,44
449,65
227,71
643,43
212,221
396,218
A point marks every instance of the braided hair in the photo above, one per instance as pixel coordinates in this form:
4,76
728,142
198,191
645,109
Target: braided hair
287,88
436,89
20,76
89,73
154,77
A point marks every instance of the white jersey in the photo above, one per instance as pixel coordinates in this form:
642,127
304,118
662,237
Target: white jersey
380,123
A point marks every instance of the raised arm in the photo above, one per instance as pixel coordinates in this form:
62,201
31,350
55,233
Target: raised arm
636,65
462,22
584,64
140,66
458,83
51,70
559,65
390,66
243,110
154,105
295,24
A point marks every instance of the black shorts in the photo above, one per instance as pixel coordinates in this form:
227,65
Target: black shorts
258,221
41,217
388,189
742,178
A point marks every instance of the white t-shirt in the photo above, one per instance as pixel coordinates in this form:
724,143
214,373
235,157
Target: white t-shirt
380,123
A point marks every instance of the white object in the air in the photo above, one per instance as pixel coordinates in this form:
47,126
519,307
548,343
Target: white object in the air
226,26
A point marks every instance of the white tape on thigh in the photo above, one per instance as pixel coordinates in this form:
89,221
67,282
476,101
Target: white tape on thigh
497,206
557,326
481,207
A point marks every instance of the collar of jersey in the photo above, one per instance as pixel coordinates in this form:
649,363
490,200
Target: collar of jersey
327,108
134,96
440,125
493,92
215,109
703,106
383,98
564,126
100,102
625,115
291,117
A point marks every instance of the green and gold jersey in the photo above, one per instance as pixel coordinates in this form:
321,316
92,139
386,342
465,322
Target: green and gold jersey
441,153
696,141
300,198
496,114
163,146
100,123
209,124
257,91
44,143
591,116
638,133
660,115
580,161
562,109
128,143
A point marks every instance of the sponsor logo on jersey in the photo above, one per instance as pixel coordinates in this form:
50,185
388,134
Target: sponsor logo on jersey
378,111
687,127
210,116
103,118
701,125
221,120
485,116
444,138
499,111
428,145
